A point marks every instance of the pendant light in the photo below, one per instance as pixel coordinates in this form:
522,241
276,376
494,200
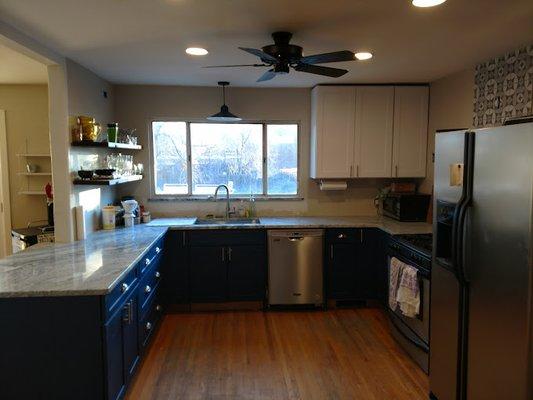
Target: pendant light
224,115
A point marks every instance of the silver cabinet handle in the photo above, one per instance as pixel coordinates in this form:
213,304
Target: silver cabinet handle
341,236
396,171
361,235
157,274
331,251
158,308
357,171
147,289
296,239
223,254
128,308
147,261
183,238
157,250
148,326
351,170
229,253
124,287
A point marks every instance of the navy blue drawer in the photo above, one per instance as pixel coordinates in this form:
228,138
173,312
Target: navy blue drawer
149,284
121,291
343,235
225,237
149,322
155,251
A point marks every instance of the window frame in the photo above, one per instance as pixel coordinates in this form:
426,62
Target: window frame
257,196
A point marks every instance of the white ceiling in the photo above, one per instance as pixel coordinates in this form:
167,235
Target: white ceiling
16,68
143,41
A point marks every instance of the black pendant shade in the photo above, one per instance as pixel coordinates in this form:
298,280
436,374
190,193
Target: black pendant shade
224,115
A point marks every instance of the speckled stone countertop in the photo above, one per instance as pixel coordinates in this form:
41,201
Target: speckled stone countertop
95,265
386,224
88,267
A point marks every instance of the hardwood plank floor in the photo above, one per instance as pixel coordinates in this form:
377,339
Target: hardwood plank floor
339,354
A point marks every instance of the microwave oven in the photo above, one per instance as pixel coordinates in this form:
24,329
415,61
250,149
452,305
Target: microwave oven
406,207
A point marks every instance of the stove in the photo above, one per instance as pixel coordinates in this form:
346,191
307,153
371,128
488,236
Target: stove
422,243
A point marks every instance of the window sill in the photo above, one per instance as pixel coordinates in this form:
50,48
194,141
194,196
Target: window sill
222,198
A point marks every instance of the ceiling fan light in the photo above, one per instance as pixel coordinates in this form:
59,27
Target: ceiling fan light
196,51
363,55
427,3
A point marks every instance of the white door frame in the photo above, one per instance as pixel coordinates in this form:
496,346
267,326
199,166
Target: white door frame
5,202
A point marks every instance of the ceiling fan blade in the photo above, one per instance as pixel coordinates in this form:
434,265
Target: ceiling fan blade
261,54
237,65
336,56
267,76
320,70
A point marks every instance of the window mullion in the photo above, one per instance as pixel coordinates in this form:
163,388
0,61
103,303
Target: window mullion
264,164
189,158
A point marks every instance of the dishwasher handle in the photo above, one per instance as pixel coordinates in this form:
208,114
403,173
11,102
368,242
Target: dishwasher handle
295,238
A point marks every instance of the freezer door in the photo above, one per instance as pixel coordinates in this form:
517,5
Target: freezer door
445,288
498,265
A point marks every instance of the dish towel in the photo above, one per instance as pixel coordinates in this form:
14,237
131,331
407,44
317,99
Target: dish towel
395,270
408,294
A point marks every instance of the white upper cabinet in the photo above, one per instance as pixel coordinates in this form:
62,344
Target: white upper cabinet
332,127
374,108
410,131
368,131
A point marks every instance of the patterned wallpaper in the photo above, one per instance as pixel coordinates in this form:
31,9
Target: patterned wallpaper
504,88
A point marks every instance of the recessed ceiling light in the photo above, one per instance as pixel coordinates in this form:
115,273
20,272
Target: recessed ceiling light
363,55
196,51
427,3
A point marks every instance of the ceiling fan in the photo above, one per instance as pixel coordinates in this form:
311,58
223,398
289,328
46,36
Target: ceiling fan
281,56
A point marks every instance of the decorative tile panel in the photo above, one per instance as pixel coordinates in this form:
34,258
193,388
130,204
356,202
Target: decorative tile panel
504,88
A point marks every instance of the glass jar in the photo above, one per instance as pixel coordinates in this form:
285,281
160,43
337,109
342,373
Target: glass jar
112,132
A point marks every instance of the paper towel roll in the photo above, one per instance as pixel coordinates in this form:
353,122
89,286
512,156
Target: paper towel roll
80,222
333,185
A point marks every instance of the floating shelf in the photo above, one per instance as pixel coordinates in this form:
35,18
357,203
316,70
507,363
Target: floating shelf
33,155
108,182
125,146
34,173
32,192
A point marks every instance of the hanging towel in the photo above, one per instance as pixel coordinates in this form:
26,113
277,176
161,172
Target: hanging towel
408,293
395,270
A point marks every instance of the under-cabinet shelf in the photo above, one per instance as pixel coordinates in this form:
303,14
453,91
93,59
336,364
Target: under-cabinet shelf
108,182
108,145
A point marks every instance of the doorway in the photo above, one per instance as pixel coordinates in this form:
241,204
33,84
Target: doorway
5,203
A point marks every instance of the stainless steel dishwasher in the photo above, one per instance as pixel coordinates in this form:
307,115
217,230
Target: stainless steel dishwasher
295,267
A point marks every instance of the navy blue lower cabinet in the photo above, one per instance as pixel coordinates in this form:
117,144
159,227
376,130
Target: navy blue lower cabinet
175,269
246,273
342,270
208,273
367,274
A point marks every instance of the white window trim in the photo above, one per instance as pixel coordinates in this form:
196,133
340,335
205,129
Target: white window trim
191,197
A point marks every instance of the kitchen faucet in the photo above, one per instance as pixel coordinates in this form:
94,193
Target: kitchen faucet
227,198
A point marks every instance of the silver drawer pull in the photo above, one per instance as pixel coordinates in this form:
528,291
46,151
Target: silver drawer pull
147,289
341,236
124,287
147,261
148,326
157,250
157,274
158,308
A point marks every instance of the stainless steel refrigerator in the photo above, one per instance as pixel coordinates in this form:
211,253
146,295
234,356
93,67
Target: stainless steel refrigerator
481,279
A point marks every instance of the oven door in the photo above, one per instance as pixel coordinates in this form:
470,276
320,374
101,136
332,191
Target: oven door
419,324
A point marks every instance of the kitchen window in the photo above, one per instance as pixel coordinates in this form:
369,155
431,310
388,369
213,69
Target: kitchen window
192,158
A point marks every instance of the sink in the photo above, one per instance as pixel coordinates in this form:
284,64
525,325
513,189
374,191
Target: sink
223,221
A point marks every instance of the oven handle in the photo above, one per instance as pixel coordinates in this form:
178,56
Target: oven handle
415,341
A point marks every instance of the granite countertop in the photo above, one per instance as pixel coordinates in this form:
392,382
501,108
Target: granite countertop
95,265
88,267
386,224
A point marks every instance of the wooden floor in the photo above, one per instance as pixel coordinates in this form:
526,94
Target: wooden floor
340,354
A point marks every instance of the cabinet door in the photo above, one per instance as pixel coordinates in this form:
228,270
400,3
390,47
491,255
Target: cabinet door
374,106
246,273
410,131
114,359
366,272
208,273
175,269
342,263
332,127
130,338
